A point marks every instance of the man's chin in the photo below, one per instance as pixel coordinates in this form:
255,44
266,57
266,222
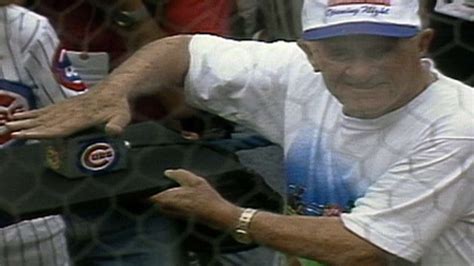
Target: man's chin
363,113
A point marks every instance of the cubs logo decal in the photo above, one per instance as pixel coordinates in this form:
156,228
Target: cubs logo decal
14,98
98,156
53,158
66,74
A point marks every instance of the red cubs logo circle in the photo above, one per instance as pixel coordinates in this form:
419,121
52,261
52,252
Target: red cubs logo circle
98,156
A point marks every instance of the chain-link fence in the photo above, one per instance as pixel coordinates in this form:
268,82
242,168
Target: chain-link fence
106,215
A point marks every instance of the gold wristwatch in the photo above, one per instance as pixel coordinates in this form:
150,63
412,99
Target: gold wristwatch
240,232
128,19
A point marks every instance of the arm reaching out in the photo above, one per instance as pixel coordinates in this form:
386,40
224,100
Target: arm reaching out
321,238
158,68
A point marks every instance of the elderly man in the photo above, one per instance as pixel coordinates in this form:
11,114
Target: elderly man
378,143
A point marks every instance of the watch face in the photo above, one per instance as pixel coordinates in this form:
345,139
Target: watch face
124,19
242,236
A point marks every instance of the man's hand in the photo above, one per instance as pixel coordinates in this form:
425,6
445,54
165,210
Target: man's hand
72,115
158,68
195,198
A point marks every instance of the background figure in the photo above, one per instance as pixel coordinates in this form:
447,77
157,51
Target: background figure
27,46
194,16
119,28
453,44
99,34
268,20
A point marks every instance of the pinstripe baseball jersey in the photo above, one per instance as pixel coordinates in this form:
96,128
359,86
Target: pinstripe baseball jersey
30,78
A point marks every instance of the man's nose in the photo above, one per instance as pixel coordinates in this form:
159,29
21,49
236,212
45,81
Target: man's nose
360,71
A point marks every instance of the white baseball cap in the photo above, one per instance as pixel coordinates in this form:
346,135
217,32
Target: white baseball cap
331,18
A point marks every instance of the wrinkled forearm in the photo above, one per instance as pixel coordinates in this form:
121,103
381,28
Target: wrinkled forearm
319,238
157,69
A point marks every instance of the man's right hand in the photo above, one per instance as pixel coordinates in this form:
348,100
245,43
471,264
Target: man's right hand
65,118
157,68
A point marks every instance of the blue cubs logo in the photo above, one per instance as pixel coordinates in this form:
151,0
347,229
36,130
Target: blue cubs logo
65,73
98,157
14,97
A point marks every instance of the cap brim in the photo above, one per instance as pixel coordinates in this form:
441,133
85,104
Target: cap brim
361,28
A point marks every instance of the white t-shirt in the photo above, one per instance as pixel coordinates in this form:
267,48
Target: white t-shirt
406,177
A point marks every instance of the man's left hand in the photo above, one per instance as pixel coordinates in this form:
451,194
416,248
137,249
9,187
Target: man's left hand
195,198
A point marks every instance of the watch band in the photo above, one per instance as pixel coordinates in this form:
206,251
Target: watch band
241,233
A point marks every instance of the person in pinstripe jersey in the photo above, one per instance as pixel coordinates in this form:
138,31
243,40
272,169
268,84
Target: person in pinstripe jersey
28,79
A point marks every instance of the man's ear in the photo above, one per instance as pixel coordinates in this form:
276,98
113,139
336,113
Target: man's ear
312,57
424,42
